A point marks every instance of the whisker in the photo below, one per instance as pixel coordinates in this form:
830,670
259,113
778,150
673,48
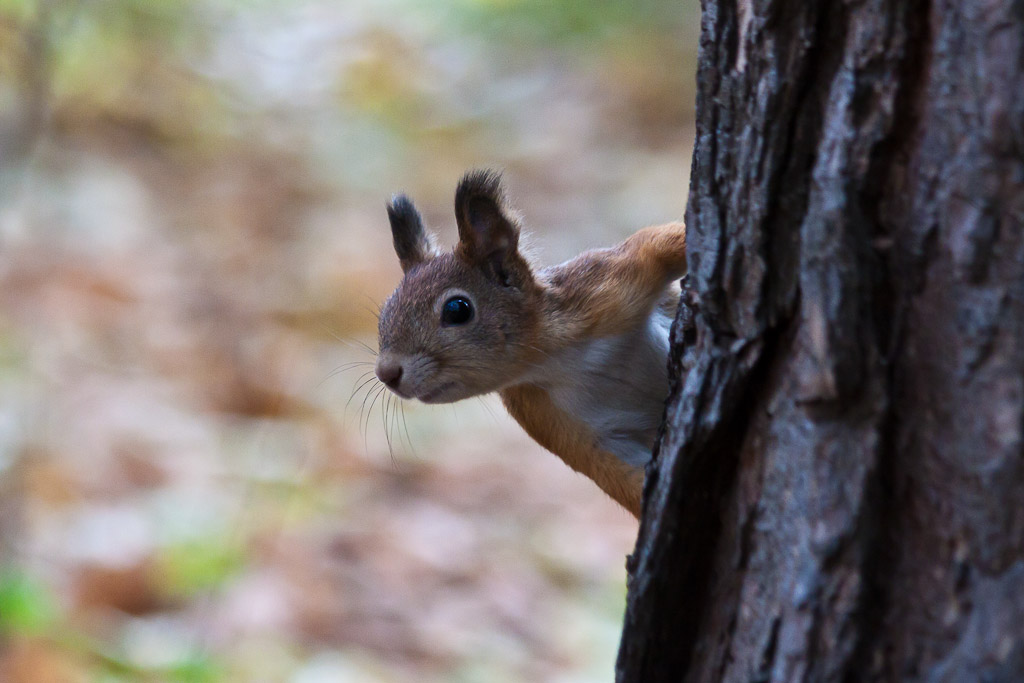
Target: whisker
345,368
371,392
396,405
385,404
329,331
532,348
373,378
369,414
366,376
351,343
488,408
405,426
375,312
376,306
336,337
353,364
369,349
394,413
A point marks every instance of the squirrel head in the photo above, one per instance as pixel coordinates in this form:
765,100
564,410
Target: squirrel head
461,323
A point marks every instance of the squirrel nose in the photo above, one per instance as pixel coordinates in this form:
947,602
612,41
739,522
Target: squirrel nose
390,372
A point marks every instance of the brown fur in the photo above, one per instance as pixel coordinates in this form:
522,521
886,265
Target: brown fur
604,292
523,321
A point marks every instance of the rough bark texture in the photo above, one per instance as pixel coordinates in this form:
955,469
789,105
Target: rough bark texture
839,489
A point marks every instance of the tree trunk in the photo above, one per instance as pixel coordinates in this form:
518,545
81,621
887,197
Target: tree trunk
839,490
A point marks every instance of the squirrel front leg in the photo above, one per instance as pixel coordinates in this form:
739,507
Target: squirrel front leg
610,291
574,443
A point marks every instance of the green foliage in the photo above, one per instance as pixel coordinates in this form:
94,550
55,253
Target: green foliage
573,21
123,60
193,668
108,45
199,565
198,669
26,605
18,10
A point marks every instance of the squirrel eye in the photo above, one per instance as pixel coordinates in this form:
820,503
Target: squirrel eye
456,311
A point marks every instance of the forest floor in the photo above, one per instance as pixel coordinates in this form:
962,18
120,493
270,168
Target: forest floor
198,479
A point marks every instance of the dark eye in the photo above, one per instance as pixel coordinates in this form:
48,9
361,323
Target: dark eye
456,311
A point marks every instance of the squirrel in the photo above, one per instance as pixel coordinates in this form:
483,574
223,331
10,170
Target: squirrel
578,352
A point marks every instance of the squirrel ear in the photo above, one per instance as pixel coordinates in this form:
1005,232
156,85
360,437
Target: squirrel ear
412,242
488,230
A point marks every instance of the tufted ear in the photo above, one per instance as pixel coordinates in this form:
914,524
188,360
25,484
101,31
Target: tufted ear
488,229
413,243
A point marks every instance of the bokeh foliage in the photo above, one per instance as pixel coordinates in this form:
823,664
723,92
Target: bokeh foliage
192,244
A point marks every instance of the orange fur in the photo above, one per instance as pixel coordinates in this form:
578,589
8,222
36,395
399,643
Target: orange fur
604,292
574,443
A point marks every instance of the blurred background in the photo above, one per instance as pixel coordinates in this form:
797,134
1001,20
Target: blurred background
197,480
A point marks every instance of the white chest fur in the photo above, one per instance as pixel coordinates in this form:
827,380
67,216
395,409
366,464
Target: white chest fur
615,385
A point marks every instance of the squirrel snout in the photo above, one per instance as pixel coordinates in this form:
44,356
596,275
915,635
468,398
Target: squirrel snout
389,371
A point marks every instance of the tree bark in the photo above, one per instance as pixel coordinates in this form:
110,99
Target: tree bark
838,493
